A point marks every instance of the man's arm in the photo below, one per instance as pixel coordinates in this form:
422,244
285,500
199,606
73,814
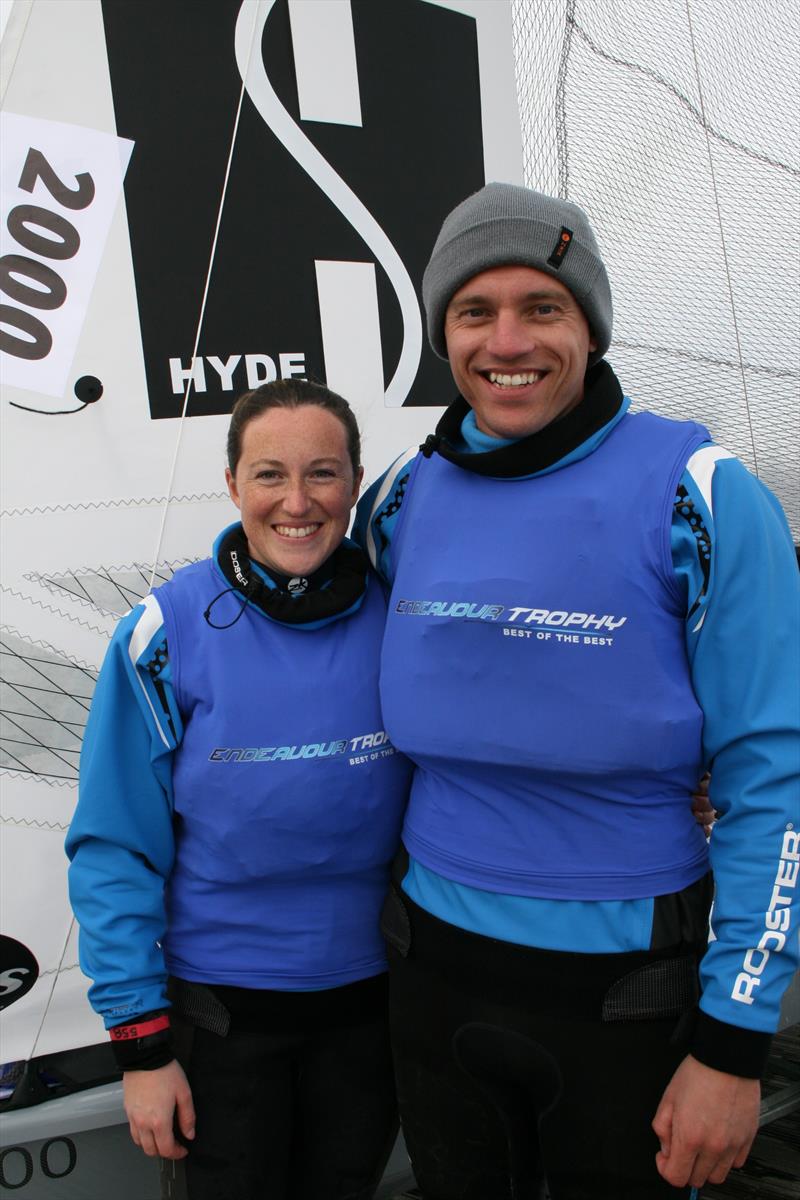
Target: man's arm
377,514
743,639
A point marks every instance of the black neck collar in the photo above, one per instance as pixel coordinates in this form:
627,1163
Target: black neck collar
295,585
601,401
346,569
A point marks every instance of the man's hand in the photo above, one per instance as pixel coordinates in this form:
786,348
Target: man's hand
152,1098
701,806
706,1123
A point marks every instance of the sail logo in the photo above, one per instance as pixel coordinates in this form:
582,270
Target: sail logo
287,240
19,970
235,372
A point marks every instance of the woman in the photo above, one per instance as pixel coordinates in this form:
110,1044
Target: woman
239,808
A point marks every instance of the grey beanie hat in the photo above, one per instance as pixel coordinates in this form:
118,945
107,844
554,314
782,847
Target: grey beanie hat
504,225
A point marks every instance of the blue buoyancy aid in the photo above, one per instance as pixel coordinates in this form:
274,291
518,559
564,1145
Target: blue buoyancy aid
288,795
534,668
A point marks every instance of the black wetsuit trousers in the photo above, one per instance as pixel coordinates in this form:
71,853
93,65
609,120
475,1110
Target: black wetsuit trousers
295,1101
514,1065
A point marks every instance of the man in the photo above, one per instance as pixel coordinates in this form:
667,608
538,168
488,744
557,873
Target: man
589,609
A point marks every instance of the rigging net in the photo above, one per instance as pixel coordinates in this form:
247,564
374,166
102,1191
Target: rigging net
676,126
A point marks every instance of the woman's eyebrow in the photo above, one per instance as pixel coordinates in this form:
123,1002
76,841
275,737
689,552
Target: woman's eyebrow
278,462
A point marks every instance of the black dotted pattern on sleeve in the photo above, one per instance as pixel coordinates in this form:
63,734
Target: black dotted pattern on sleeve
154,669
684,506
390,507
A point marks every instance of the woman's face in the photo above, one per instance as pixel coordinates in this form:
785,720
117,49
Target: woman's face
294,487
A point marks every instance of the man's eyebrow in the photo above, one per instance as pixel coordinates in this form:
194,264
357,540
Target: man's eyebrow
548,294
541,294
474,299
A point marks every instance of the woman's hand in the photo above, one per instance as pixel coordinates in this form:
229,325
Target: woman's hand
152,1101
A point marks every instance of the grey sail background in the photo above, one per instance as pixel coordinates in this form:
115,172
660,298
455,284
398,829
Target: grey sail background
45,697
45,700
677,129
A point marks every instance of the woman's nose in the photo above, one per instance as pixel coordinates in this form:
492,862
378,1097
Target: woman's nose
296,500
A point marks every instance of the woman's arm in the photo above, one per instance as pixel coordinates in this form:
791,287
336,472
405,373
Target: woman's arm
120,841
121,848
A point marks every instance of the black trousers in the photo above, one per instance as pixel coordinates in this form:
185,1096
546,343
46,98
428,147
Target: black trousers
514,1065
294,1101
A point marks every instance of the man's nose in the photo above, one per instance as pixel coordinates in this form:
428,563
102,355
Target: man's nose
510,337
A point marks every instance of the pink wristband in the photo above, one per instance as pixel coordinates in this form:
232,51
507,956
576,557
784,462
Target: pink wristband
127,1033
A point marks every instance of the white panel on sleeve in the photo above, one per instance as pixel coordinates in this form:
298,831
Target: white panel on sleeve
148,625
701,468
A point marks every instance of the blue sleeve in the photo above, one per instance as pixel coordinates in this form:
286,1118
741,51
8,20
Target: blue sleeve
377,514
120,842
733,552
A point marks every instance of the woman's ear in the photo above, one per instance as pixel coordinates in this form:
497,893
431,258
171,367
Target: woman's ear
233,490
359,479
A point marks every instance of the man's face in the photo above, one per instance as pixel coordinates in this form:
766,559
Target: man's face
518,344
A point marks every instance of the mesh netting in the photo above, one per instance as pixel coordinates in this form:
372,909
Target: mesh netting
675,125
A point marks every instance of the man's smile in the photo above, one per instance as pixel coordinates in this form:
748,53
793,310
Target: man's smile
518,379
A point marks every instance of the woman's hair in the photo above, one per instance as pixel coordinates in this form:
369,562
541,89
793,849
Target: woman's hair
291,393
